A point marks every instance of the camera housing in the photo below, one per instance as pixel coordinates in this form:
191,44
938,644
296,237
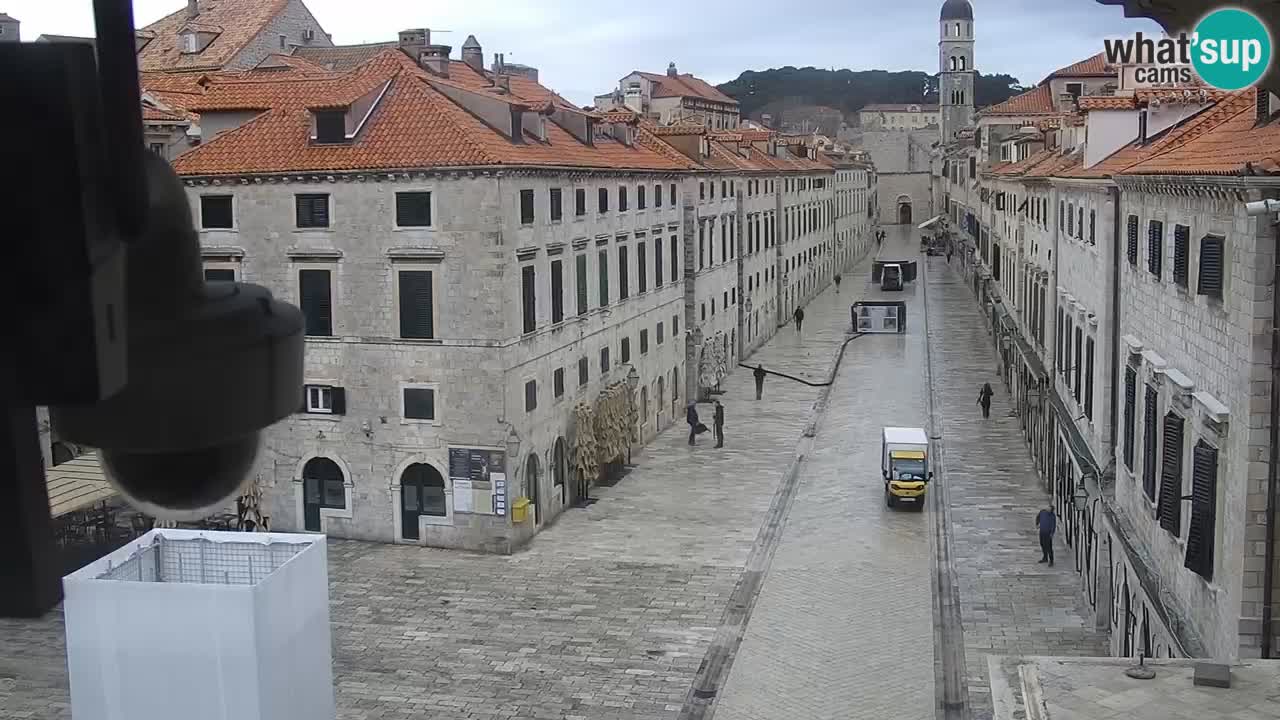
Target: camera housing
208,366
1262,207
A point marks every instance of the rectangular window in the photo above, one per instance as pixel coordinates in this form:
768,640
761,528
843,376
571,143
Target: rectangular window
660,333
1131,240
644,341
1212,263
1181,253
317,302
417,305
579,202
531,395
675,326
557,382
672,190
1169,507
526,207
642,268
581,278
1149,424
325,400
604,360
419,404
1088,378
529,298
1202,535
1071,220
215,212
602,265
557,208
312,210
657,261
219,275
413,209
657,195
582,371
1066,354
1155,247
622,198
602,200
1093,227
1130,412
1077,367
702,191
331,126
557,291
1080,223
973,167
640,200
624,277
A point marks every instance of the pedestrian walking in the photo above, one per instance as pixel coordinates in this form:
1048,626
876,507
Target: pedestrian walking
984,399
948,256
1047,522
691,417
798,316
837,284
718,423
759,375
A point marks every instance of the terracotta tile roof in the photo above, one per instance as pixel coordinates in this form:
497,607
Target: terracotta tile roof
1226,143
899,107
283,63
684,85
1020,167
1175,137
1108,102
342,57
236,22
1095,66
754,135
680,129
1036,101
1189,94
414,126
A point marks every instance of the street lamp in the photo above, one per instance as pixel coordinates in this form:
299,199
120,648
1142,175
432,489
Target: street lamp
1080,499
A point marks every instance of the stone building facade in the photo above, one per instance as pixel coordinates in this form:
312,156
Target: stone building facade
1105,233
467,284
673,98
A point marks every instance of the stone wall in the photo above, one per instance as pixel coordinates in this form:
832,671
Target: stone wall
291,23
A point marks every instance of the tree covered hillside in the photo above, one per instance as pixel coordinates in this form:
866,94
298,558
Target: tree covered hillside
849,90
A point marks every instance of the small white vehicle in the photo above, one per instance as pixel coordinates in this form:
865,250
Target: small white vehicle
904,463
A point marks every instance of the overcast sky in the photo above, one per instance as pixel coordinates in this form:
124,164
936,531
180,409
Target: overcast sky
582,47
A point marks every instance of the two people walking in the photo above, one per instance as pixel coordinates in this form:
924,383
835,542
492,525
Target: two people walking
696,427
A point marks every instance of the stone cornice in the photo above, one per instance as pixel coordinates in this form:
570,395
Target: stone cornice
1224,187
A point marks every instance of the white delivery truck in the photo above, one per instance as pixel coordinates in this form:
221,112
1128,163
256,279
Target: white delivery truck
904,463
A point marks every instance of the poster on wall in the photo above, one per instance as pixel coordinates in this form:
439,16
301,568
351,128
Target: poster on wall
479,474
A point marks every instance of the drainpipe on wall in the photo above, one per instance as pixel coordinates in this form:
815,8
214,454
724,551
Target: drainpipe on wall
1112,441
1273,460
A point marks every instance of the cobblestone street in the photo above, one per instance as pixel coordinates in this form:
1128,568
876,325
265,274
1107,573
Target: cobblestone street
1010,604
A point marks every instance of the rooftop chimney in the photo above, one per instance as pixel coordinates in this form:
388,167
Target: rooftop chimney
472,54
1263,106
435,59
414,41
193,8
671,68
503,82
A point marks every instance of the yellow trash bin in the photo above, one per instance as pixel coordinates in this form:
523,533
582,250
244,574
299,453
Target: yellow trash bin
520,510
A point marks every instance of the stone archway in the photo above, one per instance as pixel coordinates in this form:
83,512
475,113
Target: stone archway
532,481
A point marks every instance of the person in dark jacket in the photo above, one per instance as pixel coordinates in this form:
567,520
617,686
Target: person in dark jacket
984,399
1047,522
718,422
759,375
691,417
798,316
837,284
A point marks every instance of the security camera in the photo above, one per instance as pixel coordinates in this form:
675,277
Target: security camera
1262,207
209,365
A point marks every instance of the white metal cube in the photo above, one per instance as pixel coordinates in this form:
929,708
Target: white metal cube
202,625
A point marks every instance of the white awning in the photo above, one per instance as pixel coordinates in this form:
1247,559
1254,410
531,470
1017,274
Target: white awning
929,222
77,484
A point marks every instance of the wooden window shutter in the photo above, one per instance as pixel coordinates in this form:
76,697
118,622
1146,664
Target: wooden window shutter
1155,247
1211,266
529,297
317,302
1169,508
1149,444
1181,253
557,291
1130,406
416,305
1204,512
338,400
1131,248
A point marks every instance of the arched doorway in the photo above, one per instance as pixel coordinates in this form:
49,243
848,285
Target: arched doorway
421,493
532,481
904,212
560,458
323,486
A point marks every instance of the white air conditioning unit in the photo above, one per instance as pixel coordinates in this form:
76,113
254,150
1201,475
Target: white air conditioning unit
308,35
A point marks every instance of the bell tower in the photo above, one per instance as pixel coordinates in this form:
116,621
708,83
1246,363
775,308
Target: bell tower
955,66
